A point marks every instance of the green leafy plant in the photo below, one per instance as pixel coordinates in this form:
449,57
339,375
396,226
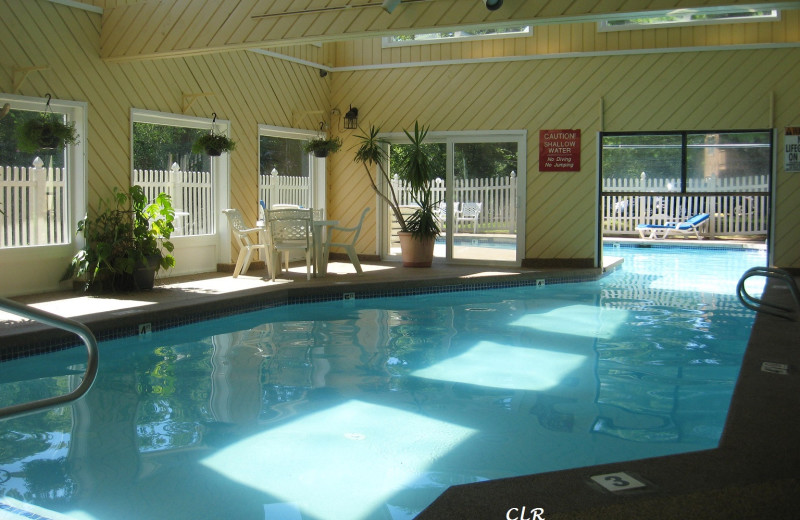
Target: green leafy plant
125,236
213,144
417,172
322,147
48,132
371,153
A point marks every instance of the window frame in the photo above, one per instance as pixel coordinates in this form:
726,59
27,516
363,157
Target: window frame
450,139
316,165
388,42
684,166
75,162
603,25
220,237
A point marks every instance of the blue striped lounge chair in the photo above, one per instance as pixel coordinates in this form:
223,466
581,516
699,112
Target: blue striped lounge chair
662,231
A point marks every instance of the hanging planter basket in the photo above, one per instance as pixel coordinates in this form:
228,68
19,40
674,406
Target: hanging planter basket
323,147
47,133
213,144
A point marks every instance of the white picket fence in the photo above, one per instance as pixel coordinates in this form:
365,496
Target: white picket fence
497,195
740,206
192,197
284,189
33,202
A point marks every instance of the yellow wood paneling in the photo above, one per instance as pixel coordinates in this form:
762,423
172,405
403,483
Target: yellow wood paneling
674,91
574,38
248,89
225,25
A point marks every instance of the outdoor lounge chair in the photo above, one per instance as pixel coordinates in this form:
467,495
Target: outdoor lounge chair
662,231
470,212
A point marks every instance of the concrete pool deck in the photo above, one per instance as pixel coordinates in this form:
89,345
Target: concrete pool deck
754,473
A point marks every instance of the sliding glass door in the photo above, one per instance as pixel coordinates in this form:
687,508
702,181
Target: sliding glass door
477,187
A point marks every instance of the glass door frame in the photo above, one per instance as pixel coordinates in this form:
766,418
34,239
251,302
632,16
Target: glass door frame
451,139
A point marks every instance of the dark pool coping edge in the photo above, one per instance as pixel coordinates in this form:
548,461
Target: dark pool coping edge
759,447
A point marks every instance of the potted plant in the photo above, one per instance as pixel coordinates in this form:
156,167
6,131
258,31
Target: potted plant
125,243
418,232
213,144
422,227
46,133
321,147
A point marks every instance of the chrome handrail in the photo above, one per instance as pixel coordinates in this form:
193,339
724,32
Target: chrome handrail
759,305
20,309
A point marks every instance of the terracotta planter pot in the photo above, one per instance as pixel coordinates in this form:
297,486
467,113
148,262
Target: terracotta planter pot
416,252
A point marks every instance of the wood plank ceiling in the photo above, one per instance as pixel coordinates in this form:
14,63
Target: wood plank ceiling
189,27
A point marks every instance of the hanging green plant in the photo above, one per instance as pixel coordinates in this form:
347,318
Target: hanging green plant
213,144
46,133
321,147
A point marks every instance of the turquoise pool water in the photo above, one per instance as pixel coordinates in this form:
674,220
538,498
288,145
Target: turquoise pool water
370,409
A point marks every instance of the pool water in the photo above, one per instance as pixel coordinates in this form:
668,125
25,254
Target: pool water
370,409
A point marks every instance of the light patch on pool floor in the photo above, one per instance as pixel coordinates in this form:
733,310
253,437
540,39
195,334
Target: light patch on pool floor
504,366
344,462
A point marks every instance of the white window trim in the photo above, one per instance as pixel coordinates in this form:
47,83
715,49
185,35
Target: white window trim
221,238
317,166
388,41
451,139
603,25
76,111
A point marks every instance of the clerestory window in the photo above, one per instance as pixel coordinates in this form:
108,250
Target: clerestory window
683,17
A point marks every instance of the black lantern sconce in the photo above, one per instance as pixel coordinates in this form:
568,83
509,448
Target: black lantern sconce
351,118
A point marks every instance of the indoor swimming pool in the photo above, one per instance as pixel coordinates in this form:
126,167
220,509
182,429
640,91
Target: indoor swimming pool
370,408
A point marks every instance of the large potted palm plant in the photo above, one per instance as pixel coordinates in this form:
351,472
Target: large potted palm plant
418,232
422,227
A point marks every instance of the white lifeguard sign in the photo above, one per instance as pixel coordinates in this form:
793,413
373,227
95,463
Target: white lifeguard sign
791,149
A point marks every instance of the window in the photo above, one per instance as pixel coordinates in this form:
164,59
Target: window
451,36
478,175
287,174
671,176
41,193
163,162
687,161
682,17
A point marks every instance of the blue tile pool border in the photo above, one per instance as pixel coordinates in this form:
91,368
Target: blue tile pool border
268,300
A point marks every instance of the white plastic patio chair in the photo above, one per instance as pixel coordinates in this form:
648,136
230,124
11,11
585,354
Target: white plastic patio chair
346,242
470,212
247,244
290,230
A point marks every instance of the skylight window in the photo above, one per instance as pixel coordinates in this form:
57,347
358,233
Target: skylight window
451,36
684,17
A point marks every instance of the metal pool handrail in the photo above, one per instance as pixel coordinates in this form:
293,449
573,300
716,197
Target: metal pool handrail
75,327
759,305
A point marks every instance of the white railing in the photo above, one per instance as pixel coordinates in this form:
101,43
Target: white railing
498,195
742,211
284,189
192,197
33,202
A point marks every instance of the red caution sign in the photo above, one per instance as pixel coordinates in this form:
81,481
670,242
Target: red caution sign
559,150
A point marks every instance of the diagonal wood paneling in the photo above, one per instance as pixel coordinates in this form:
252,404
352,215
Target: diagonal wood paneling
692,90
248,89
219,25
572,38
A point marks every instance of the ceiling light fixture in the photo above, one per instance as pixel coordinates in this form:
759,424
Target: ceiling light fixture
493,5
389,5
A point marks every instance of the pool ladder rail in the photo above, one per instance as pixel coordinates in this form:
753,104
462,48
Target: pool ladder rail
759,305
60,322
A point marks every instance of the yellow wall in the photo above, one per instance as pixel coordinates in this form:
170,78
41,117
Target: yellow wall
723,89
248,88
572,38
645,92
